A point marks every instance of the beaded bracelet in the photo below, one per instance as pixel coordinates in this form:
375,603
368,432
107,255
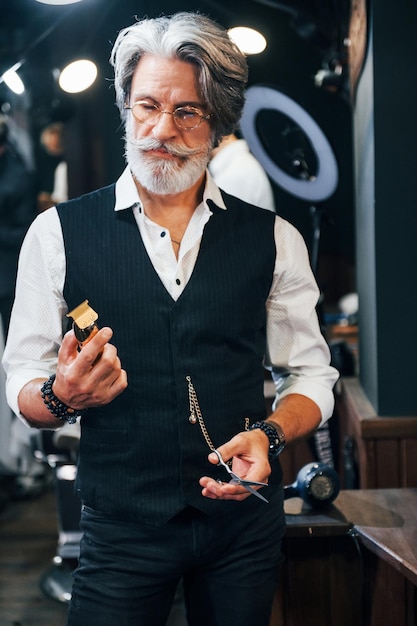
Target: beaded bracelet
56,407
275,435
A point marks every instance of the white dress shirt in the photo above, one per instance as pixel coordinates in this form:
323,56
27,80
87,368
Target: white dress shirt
296,348
236,170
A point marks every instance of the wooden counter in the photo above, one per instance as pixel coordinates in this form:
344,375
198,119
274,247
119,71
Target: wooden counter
353,564
385,521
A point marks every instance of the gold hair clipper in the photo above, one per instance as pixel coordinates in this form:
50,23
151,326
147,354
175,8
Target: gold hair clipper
84,323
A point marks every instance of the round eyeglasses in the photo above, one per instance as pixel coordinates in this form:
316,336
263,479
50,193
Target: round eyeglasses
185,118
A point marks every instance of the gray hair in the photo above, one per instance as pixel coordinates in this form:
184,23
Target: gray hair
193,38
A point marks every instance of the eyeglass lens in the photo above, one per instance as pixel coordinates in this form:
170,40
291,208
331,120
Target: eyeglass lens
184,117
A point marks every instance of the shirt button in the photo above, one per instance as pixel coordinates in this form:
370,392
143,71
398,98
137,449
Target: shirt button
163,233
178,281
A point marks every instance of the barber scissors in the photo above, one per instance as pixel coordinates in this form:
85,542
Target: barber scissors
236,480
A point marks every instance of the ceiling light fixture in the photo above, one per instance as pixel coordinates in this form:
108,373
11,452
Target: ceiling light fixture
13,80
78,76
248,40
58,2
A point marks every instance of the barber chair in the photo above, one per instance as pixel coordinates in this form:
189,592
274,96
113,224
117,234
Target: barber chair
60,455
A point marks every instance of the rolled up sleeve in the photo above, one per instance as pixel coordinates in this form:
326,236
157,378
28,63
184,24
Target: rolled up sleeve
297,353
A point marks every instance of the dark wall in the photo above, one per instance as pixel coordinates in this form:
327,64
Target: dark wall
385,166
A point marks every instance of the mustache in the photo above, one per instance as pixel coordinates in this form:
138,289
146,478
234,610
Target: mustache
149,143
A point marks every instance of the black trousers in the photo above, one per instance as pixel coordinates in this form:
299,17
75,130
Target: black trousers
128,572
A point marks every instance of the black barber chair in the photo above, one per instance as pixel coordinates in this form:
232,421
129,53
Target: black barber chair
60,455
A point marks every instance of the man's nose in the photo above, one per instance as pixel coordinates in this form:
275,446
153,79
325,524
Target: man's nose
165,126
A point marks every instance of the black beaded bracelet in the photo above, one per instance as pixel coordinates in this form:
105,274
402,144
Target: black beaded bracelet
56,407
275,435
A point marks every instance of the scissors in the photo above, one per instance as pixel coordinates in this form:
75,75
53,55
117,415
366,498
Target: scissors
236,480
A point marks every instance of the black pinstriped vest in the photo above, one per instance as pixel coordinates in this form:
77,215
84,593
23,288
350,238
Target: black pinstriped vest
140,457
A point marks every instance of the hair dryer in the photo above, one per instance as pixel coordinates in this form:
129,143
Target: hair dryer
317,484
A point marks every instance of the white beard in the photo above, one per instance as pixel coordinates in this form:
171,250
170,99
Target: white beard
162,176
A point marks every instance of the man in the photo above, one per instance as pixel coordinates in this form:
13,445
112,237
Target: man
195,289
236,170
52,169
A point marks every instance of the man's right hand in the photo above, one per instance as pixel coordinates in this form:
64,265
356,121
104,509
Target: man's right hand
86,378
92,376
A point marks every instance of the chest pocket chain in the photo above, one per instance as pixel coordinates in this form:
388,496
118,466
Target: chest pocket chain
197,417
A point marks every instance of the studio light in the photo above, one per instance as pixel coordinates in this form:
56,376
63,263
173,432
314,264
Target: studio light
314,189
57,2
78,76
248,40
13,80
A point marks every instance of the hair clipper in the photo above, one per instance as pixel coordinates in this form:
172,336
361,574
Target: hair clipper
84,323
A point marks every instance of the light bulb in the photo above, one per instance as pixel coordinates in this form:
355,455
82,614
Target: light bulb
78,76
248,40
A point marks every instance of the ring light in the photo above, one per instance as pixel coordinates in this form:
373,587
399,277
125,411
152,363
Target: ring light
324,183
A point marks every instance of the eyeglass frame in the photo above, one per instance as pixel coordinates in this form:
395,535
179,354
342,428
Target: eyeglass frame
157,108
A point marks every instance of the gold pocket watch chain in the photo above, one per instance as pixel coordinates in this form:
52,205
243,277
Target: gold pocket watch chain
196,415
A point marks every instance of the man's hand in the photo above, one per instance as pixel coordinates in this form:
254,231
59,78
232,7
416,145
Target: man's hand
91,377
249,451
298,416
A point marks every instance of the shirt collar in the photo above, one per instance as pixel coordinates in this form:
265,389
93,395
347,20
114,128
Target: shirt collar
127,194
126,191
212,192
